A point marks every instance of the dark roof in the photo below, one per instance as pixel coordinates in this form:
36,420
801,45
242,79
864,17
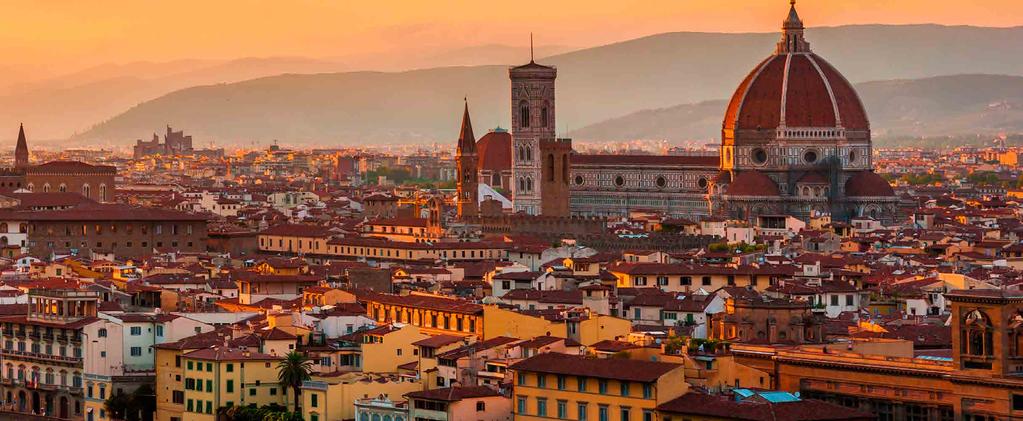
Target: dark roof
70,167
453,394
759,410
297,230
574,365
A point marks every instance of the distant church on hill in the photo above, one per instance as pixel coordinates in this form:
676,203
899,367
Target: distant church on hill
795,140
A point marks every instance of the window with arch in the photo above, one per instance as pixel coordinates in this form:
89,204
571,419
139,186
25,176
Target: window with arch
103,192
977,336
529,184
524,113
31,186
806,191
86,190
46,188
545,115
62,188
529,153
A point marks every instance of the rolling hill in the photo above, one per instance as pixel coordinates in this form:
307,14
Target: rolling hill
594,85
928,107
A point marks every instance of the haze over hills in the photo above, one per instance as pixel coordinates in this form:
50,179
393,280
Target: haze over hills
928,107
594,84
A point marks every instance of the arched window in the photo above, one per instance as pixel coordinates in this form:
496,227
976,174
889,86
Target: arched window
529,153
977,334
31,186
524,113
86,190
102,192
550,167
806,191
545,115
46,188
529,184
62,188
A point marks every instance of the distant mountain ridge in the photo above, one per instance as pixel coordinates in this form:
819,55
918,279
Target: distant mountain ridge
594,85
928,107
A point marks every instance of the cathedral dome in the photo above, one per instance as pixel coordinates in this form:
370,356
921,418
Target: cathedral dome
753,183
795,88
868,184
494,151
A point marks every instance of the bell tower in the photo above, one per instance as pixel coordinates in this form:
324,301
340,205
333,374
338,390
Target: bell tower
533,122
468,179
21,150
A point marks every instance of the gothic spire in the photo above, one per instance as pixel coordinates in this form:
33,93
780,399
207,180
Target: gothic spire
21,150
466,140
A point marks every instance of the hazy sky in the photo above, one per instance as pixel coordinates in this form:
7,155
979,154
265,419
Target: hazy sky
69,34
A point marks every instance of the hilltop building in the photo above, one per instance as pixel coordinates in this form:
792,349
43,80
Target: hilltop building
174,143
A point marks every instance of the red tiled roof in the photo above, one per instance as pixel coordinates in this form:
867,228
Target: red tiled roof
752,183
867,184
494,150
574,365
804,81
759,410
70,167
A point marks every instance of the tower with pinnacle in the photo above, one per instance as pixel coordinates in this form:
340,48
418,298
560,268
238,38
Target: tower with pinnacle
468,180
532,105
21,151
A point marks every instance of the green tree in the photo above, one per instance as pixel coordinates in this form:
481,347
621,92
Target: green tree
138,405
293,371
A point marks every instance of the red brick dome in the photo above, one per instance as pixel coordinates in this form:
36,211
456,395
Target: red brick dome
867,184
795,88
495,150
753,183
799,89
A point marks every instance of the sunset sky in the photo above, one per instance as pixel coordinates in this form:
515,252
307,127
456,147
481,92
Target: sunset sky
65,35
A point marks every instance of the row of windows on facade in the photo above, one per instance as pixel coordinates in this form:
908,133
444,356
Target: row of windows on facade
377,417
99,244
582,410
48,378
99,229
660,182
582,384
409,316
37,348
86,189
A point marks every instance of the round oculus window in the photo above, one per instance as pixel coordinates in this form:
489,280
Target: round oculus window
579,180
661,182
702,182
759,156
619,181
810,157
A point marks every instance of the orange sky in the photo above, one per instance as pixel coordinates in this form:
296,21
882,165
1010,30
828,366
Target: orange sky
65,35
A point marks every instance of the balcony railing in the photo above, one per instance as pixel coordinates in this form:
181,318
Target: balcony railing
40,356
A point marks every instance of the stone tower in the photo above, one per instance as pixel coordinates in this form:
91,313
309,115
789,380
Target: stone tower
555,156
21,151
532,105
468,181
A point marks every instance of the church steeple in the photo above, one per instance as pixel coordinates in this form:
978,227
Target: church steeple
468,173
21,150
792,40
466,139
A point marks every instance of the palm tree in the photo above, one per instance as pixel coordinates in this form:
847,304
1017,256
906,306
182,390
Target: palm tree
293,371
